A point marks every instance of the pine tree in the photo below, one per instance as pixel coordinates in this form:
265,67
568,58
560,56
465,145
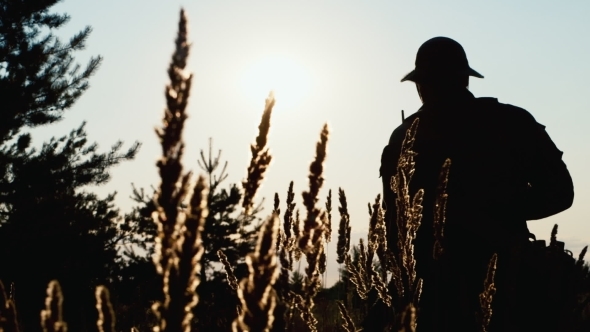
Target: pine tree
51,225
38,77
54,229
228,230
225,228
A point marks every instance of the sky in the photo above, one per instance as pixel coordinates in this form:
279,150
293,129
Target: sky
336,62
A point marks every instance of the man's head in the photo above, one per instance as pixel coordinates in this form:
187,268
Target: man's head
441,68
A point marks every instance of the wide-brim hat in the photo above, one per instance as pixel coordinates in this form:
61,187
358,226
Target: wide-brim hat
440,58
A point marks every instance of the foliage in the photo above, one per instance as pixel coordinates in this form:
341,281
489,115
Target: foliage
38,77
52,228
51,225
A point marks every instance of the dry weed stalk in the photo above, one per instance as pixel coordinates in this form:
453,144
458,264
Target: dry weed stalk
364,267
486,297
256,292
174,185
328,221
288,217
229,271
363,275
276,210
8,321
106,314
190,249
284,276
440,207
277,201
396,274
286,254
178,245
408,319
348,325
260,157
297,253
311,284
409,213
378,244
377,236
288,224
314,228
357,275
322,262
402,265
52,315
580,261
343,244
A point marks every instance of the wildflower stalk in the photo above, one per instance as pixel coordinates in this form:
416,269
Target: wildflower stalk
260,158
106,314
229,271
344,229
174,185
310,241
288,224
580,261
8,321
329,217
313,226
356,277
284,276
377,233
288,217
178,245
409,213
190,250
277,202
52,315
440,207
486,297
296,235
408,319
348,325
256,293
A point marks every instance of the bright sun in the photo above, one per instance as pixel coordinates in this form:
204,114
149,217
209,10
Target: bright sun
289,80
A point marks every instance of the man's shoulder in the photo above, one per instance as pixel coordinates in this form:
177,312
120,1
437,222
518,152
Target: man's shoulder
490,107
509,111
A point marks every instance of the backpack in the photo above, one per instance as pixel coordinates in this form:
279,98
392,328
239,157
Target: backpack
544,282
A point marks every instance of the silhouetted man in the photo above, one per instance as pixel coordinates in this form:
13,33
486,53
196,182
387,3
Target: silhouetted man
505,170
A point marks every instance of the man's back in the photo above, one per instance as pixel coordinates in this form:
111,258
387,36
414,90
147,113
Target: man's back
504,170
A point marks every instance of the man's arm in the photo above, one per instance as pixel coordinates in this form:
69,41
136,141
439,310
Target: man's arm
551,188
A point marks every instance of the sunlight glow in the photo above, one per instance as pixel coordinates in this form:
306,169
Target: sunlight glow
289,80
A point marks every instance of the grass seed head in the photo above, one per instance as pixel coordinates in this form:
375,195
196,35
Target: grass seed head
328,221
256,293
261,158
106,314
52,315
229,271
348,325
343,244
